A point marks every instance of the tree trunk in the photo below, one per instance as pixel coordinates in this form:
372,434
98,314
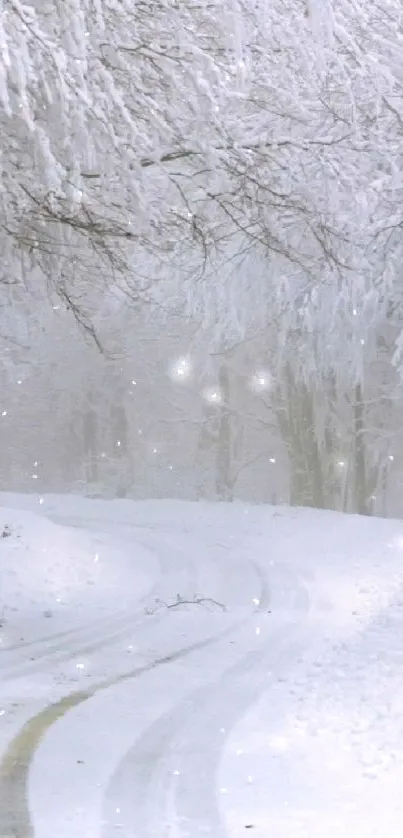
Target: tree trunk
223,457
297,425
120,441
90,434
361,504
205,452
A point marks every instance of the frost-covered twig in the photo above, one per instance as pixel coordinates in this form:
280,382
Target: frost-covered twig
196,600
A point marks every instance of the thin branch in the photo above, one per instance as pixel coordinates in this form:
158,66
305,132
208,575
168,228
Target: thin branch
197,600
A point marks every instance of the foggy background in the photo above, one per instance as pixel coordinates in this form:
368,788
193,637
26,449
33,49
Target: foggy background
201,238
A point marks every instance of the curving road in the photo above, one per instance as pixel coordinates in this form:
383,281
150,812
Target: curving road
135,752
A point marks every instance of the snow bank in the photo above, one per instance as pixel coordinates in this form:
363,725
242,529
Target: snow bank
53,571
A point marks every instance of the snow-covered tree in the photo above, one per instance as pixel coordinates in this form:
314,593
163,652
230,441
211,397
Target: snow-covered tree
135,126
234,162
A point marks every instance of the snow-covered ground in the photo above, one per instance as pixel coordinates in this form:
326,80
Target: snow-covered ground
178,669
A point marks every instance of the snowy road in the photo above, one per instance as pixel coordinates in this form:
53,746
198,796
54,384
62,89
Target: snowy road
137,713
172,720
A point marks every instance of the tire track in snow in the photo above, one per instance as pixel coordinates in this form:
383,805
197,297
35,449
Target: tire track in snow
59,649
111,631
15,819
166,783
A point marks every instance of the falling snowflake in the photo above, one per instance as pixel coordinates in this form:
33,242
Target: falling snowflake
181,369
212,395
261,381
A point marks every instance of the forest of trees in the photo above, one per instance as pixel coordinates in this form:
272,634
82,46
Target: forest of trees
201,229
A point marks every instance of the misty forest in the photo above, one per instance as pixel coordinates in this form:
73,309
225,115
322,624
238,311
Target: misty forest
201,229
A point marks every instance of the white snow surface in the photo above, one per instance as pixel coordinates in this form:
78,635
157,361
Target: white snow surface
185,670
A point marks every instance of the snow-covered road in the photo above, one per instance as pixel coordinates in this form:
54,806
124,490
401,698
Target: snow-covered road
138,718
172,721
